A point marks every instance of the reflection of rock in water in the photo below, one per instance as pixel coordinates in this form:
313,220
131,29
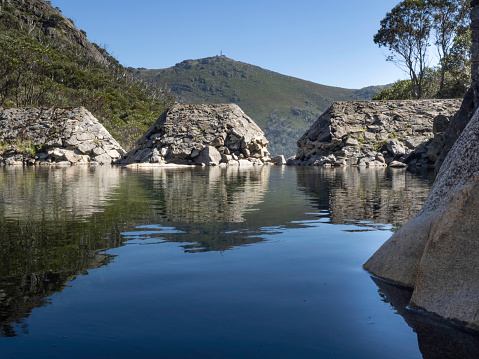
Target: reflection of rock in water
436,338
216,195
366,194
53,222
51,193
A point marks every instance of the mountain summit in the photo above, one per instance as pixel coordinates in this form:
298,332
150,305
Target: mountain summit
283,106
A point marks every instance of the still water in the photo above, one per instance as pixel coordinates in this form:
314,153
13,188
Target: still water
207,262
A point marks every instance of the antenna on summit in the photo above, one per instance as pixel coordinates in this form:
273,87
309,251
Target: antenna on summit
221,52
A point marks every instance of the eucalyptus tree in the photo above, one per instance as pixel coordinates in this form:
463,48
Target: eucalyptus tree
450,32
413,26
406,32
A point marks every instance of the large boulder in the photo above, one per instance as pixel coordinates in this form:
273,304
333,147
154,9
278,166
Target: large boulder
436,252
201,134
58,136
207,156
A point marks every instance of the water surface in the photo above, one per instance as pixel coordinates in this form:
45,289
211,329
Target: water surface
207,262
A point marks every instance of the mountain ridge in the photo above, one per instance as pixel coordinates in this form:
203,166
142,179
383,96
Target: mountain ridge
283,106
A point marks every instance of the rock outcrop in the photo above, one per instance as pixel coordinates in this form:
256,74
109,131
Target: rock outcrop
376,134
471,100
54,136
201,135
436,252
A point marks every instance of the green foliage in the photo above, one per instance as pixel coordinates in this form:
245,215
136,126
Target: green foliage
20,146
54,20
405,31
284,107
400,90
378,146
411,29
455,85
38,70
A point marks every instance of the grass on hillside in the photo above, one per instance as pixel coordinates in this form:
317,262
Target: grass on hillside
41,70
283,106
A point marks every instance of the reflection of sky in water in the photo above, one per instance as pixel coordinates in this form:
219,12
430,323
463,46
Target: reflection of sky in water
205,263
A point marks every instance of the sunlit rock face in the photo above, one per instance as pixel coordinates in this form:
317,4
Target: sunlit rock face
376,134
54,136
471,100
436,252
201,135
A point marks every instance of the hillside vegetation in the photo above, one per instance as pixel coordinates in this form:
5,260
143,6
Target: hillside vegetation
46,61
283,106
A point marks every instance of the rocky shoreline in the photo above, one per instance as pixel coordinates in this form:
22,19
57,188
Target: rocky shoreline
55,136
377,134
435,253
360,133
201,135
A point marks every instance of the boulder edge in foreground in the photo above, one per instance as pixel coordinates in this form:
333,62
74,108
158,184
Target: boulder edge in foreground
436,252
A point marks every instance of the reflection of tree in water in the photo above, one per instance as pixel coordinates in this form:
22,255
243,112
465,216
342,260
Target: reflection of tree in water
366,194
436,338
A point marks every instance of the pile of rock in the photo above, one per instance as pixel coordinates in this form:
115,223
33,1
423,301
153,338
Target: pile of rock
201,135
55,136
376,133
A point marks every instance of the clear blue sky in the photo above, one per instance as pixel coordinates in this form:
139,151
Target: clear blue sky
327,42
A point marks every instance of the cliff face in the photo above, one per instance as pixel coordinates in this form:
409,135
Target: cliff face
436,252
58,136
376,133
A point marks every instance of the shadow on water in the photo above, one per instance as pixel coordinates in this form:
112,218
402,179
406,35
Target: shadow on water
436,339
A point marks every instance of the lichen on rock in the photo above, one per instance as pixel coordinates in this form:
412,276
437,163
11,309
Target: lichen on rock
375,133
201,135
